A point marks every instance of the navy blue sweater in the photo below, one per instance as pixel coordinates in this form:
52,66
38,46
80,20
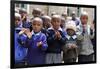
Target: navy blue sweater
55,45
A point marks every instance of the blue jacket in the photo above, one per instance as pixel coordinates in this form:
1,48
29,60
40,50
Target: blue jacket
26,24
76,21
54,45
20,51
35,54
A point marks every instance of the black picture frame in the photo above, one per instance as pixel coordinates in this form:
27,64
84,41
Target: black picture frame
12,7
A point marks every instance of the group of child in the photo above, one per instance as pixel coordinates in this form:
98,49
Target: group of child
42,39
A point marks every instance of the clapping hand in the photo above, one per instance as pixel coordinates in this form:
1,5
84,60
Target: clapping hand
57,34
39,44
74,46
22,31
71,46
28,33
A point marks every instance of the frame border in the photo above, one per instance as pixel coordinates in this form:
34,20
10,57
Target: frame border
12,26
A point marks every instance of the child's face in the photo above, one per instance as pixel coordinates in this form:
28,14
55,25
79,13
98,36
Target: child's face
37,26
73,16
84,19
62,23
47,23
36,13
17,21
70,32
56,23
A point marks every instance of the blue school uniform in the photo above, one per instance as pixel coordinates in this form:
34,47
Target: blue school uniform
26,24
35,54
20,51
55,46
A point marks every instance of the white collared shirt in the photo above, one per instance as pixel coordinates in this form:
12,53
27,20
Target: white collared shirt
51,28
35,34
68,37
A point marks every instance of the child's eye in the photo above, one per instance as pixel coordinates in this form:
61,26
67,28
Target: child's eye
17,19
38,24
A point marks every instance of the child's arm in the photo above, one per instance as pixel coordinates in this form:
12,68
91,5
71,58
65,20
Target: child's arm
22,39
79,40
80,37
91,34
67,46
28,33
62,39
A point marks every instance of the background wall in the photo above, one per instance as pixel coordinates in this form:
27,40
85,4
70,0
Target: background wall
48,9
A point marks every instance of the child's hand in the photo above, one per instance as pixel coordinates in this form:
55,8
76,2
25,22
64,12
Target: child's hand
57,34
92,26
69,46
74,46
24,17
39,44
22,31
28,33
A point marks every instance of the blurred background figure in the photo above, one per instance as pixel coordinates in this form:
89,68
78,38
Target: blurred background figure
63,21
53,13
94,39
16,10
46,21
64,15
18,23
24,18
74,18
36,12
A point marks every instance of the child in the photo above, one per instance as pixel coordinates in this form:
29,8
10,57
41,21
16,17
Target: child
20,52
94,39
56,40
93,28
36,43
36,12
70,50
24,18
74,18
64,15
18,23
86,48
63,23
46,23
53,13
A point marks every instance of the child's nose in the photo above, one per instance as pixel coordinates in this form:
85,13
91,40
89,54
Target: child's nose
16,20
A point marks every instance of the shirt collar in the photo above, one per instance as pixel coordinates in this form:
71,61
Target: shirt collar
36,33
51,28
68,37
